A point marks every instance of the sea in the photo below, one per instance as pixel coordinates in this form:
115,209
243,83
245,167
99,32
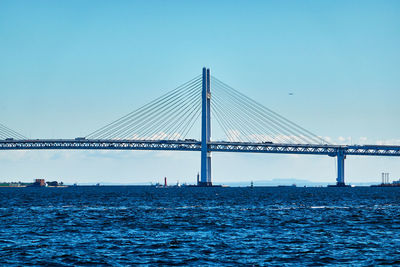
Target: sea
191,226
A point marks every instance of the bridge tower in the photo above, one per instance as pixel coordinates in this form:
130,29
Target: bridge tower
205,130
340,167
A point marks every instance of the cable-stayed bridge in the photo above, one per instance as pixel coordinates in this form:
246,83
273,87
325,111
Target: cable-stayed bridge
181,120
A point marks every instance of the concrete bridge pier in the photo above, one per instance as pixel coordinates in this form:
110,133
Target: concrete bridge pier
340,168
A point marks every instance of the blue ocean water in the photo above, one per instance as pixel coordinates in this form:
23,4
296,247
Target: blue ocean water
199,226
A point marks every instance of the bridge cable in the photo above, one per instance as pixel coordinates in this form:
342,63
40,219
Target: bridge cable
279,121
245,119
223,123
254,119
305,131
237,124
157,115
248,120
142,110
246,108
6,132
171,119
145,115
228,119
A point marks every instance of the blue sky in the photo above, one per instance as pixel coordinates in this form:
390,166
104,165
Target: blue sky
69,67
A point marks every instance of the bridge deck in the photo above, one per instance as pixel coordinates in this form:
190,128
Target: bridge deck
193,145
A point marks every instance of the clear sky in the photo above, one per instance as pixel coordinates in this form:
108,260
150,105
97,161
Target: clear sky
69,67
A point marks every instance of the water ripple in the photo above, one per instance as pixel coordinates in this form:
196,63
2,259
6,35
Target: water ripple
197,226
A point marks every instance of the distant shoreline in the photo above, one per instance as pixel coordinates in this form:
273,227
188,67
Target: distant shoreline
193,186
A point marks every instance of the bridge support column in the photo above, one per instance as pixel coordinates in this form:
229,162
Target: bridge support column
340,168
205,131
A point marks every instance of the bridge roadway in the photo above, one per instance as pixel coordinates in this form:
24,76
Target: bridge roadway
193,145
